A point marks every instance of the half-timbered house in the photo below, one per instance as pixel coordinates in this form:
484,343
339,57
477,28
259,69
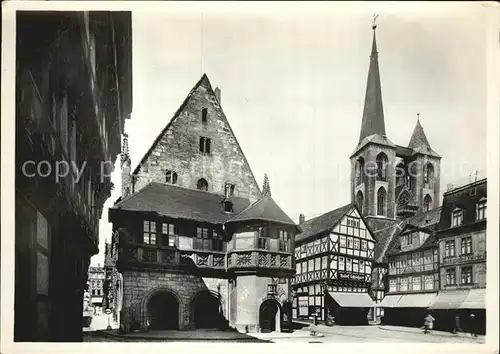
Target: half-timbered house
334,256
413,271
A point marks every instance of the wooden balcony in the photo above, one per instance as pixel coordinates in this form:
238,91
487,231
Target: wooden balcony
466,258
170,257
260,259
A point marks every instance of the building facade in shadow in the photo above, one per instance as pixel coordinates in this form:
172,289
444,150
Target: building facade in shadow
73,93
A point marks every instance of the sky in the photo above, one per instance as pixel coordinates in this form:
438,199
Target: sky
293,85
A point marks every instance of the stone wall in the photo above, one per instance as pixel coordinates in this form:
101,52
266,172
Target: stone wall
178,149
250,293
139,286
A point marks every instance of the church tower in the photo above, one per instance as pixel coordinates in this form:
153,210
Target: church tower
423,169
373,160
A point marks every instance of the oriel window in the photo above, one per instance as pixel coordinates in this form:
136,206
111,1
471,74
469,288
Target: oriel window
149,232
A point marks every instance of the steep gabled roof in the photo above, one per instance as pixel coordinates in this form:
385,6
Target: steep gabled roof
390,238
264,209
180,203
373,111
204,81
419,143
322,223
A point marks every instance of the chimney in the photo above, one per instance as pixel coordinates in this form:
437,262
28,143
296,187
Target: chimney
302,219
217,94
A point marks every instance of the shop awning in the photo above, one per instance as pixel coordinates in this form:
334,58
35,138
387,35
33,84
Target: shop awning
449,299
476,299
390,301
417,300
352,299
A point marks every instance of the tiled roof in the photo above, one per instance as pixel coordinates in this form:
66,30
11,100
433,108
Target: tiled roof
424,220
181,203
374,139
264,209
462,198
322,223
383,231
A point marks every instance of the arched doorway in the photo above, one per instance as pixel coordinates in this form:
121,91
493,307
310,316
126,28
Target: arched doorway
206,310
270,316
163,311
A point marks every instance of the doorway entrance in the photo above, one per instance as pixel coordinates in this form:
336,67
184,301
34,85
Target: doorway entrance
269,316
163,311
207,312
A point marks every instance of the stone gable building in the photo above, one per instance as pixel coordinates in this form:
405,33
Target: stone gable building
196,244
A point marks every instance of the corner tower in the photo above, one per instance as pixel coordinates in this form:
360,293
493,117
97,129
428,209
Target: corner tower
424,166
372,163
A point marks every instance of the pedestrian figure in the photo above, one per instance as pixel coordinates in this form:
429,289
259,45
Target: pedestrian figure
428,323
457,327
472,323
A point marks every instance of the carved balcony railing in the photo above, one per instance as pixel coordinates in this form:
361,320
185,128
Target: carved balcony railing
465,258
171,257
260,259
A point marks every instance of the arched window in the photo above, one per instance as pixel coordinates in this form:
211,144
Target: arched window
427,203
360,170
382,167
202,184
171,177
428,175
359,201
400,175
381,201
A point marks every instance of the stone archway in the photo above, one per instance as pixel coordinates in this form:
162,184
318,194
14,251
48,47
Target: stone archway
270,316
162,309
206,310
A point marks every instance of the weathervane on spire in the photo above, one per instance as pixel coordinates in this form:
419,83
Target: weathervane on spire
374,23
418,116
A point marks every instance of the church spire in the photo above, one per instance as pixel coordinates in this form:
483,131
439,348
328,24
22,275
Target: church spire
418,138
266,188
373,112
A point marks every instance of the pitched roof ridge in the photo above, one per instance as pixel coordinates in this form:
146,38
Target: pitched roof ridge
328,212
204,78
129,197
